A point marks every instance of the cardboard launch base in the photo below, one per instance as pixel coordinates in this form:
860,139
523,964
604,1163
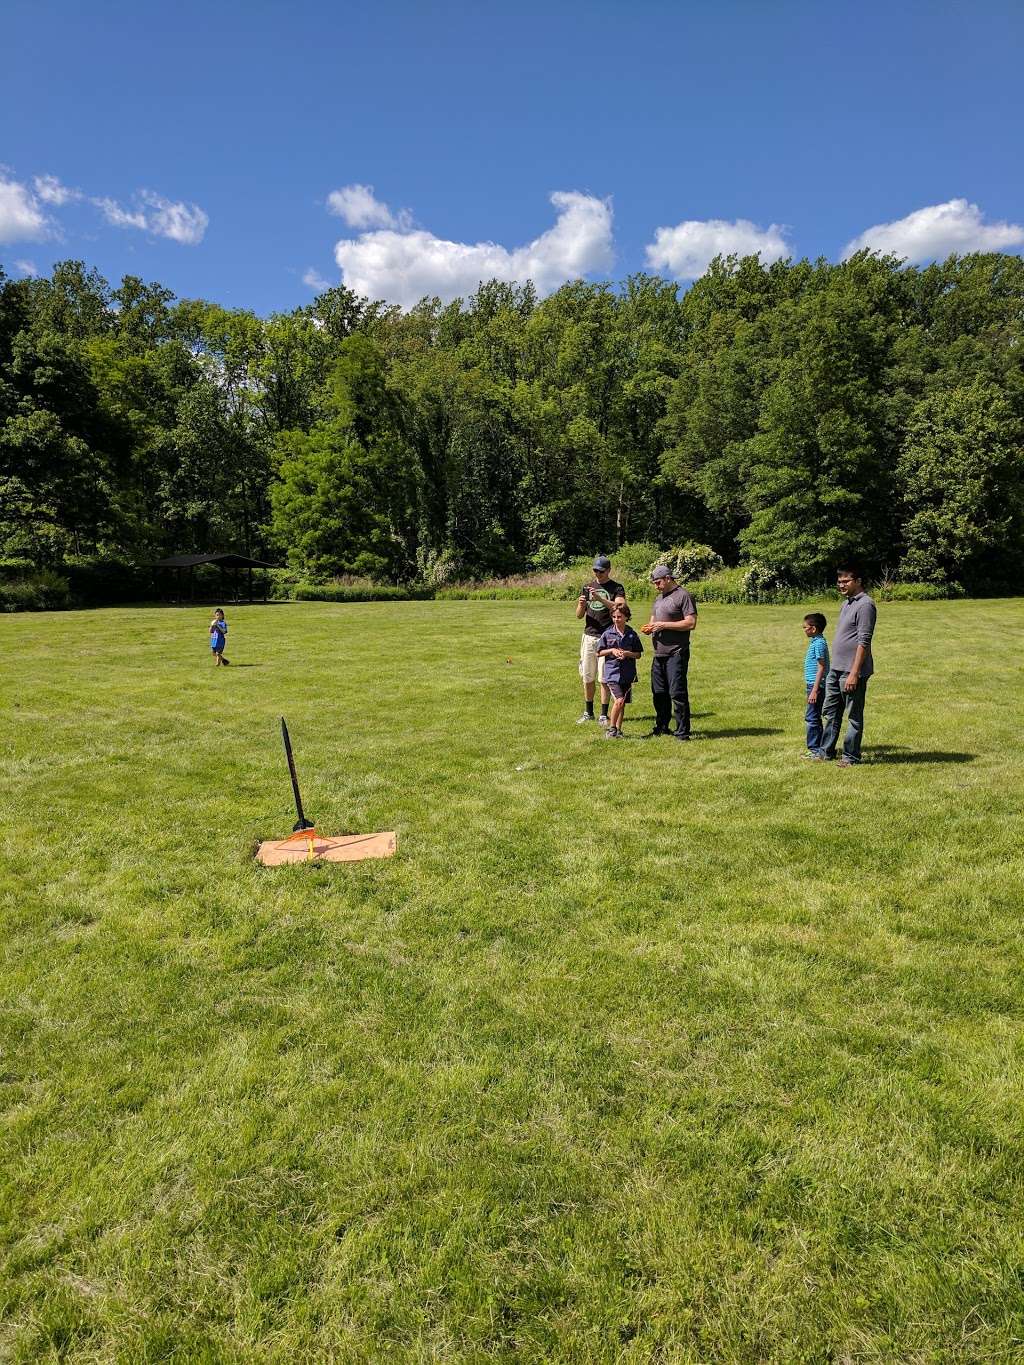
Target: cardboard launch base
310,847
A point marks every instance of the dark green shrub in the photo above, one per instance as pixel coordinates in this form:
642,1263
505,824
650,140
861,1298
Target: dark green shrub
43,591
557,593
916,592
14,568
635,560
347,592
690,562
100,582
281,584
549,557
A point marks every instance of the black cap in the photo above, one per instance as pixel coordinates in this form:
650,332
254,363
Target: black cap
602,563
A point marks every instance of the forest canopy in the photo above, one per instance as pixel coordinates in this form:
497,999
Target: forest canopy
788,415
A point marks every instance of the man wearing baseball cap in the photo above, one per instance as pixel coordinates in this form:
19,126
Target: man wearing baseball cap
594,608
673,619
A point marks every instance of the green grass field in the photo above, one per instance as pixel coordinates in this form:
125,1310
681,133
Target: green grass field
635,1052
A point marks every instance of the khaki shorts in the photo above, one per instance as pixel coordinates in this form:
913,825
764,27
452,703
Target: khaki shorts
591,667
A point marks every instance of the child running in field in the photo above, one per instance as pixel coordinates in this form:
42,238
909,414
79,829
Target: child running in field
218,637
620,647
815,672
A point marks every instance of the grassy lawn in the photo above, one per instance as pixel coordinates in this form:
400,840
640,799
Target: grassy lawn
634,1052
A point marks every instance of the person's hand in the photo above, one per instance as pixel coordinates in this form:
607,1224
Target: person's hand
647,629
583,597
850,685
812,695
619,653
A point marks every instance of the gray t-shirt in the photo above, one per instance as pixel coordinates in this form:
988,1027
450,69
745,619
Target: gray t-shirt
855,627
672,606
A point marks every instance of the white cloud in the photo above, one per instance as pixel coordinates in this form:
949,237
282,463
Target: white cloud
26,267
315,280
360,208
21,218
404,266
936,232
183,223
51,191
116,216
687,249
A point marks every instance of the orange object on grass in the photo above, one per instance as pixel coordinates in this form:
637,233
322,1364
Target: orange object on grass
307,846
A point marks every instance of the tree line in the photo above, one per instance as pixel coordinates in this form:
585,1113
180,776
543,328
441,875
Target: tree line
788,415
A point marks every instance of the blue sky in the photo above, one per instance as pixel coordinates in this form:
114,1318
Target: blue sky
226,149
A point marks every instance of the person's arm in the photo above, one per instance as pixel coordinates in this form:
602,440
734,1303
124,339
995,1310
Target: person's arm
853,677
581,606
819,678
687,623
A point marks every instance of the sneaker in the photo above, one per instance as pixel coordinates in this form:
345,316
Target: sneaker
611,732
655,733
845,762
602,720
584,718
679,736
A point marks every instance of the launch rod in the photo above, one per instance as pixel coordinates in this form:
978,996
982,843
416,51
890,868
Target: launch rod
302,822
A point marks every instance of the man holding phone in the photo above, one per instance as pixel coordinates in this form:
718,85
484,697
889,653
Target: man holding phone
594,608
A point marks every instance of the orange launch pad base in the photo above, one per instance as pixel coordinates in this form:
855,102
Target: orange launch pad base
309,847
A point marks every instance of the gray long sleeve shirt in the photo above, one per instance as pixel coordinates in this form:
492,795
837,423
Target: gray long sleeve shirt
855,627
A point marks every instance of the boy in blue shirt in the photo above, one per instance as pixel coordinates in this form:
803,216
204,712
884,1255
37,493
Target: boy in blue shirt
218,637
619,647
815,672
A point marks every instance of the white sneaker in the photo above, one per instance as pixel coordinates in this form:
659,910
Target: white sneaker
584,718
602,720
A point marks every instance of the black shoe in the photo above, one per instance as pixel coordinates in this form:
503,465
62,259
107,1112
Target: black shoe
679,736
653,734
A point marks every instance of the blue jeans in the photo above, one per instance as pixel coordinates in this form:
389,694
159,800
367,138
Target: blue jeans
812,717
838,702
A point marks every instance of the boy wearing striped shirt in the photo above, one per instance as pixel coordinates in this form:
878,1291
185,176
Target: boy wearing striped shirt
815,672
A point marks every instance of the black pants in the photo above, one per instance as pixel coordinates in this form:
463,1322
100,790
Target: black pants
668,687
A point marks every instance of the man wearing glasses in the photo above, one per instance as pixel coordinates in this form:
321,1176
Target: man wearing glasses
852,664
594,608
673,618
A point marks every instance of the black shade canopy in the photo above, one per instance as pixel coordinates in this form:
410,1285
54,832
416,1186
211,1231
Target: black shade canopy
230,566
228,561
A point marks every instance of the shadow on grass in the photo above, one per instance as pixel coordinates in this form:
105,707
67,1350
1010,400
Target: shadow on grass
899,753
740,732
694,715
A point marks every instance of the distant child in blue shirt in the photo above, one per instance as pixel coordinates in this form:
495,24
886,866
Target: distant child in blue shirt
815,671
620,647
218,637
